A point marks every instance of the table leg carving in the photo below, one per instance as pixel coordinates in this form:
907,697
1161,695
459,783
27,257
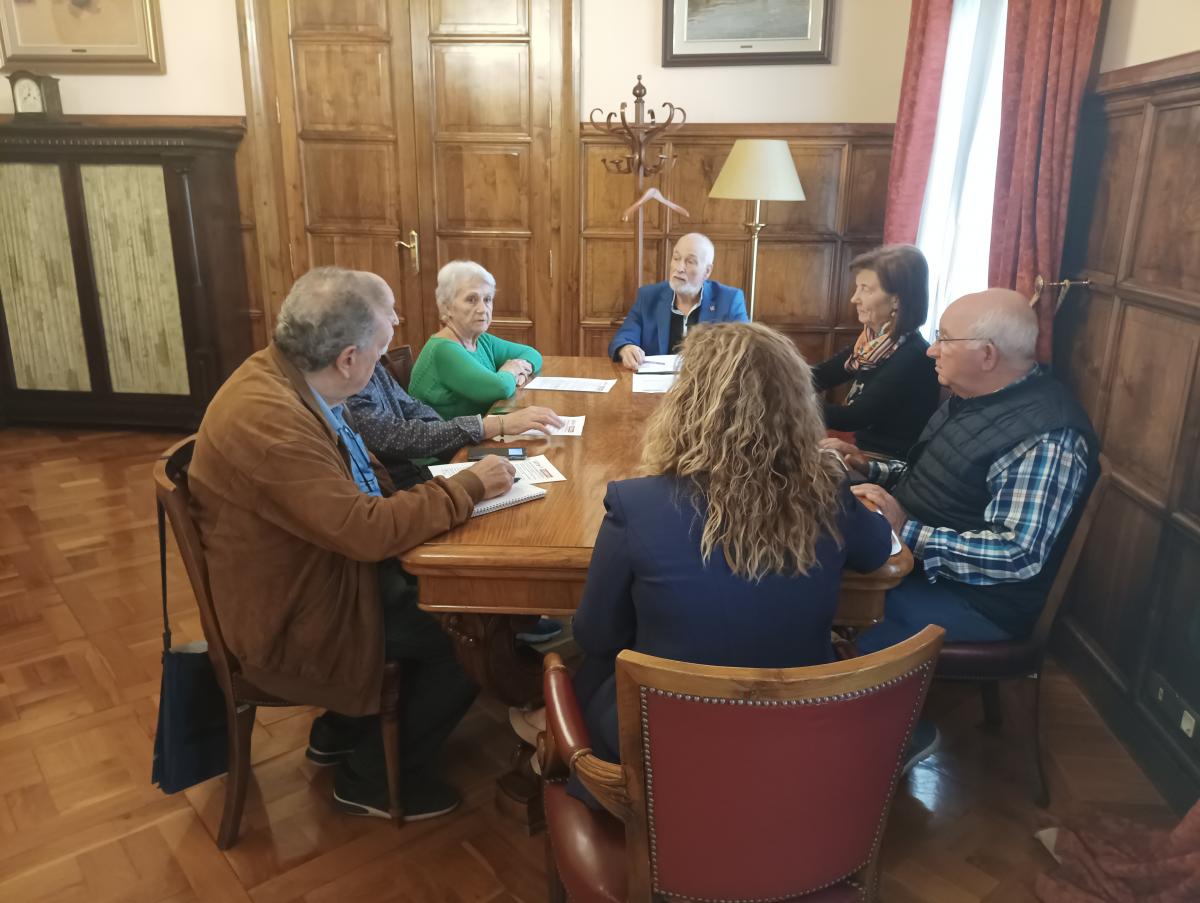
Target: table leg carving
490,653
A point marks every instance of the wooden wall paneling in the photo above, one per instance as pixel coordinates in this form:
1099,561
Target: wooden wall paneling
1166,251
866,188
1083,342
606,195
1113,193
690,180
796,282
1147,404
1114,581
608,277
1130,347
37,281
470,16
820,170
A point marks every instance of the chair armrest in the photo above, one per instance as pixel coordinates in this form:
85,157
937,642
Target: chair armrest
564,720
566,745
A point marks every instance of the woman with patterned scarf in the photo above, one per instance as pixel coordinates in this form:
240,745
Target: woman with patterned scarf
893,387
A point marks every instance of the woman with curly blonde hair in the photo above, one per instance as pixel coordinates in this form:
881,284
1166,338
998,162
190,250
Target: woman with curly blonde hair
730,550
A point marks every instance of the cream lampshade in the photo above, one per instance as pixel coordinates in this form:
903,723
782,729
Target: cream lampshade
758,169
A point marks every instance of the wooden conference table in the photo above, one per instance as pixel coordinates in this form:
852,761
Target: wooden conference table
532,559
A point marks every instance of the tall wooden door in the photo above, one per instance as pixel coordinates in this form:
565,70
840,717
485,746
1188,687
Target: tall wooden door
481,73
344,109
414,132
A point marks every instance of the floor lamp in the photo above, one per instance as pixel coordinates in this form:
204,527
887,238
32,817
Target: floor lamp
758,169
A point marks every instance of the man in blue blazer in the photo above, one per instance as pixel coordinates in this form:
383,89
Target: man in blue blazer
663,312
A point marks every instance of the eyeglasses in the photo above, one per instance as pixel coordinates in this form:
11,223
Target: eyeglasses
938,337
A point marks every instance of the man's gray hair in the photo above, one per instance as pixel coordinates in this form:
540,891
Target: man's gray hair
1014,332
328,310
451,277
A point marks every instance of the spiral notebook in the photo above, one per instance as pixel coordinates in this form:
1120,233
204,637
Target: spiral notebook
518,494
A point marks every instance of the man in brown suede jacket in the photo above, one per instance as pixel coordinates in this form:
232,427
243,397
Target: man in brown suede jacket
301,528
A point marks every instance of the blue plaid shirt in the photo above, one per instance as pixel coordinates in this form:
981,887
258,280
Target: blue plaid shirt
1033,486
360,459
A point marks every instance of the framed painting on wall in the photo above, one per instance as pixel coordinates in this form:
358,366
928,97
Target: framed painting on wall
746,32
82,35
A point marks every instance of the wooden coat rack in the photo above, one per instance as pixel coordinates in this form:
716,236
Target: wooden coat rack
638,135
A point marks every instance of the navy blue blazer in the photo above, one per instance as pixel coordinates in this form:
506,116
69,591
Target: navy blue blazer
648,589
648,324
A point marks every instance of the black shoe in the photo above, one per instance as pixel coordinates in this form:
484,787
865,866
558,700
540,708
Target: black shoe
922,744
427,798
332,738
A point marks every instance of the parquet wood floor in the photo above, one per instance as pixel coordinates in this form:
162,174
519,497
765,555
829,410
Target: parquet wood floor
79,671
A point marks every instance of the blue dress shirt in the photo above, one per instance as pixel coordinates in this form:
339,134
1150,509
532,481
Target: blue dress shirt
360,459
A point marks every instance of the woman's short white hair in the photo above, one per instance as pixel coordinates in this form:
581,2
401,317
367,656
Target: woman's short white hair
451,277
1013,332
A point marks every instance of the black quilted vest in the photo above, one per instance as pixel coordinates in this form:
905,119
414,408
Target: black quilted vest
946,481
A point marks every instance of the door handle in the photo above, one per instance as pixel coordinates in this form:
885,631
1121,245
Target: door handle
414,249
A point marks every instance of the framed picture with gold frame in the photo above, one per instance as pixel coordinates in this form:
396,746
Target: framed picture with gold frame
82,35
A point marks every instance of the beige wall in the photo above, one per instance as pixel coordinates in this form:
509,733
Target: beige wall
622,38
203,77
1140,31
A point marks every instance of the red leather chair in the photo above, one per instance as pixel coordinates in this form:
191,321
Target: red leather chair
1021,660
736,783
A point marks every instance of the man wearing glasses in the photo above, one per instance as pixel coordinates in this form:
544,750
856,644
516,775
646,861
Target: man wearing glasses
988,497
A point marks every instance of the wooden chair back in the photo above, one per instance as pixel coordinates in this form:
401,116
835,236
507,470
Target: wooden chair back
748,783
1066,568
171,490
399,362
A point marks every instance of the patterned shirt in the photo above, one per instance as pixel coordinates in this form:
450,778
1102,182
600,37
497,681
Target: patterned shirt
399,428
1034,486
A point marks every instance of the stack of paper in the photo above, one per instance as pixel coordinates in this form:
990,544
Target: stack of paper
572,426
653,382
532,470
660,363
570,384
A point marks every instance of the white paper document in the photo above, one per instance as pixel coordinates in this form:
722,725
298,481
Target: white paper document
653,382
532,470
572,426
570,384
660,363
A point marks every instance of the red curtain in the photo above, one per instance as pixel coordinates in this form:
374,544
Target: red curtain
1107,859
916,118
1048,48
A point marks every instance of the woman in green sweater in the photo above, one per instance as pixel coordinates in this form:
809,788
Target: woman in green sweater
463,369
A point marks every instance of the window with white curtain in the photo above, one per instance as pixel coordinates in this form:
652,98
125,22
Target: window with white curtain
956,217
